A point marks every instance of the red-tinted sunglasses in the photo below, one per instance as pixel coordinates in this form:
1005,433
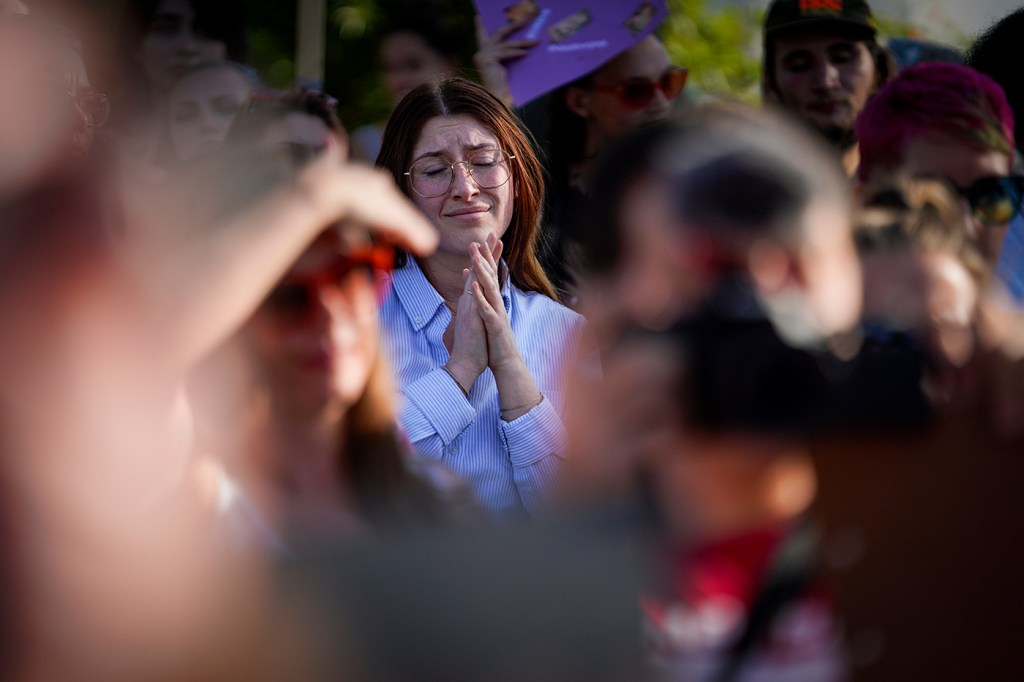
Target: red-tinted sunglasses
637,94
294,301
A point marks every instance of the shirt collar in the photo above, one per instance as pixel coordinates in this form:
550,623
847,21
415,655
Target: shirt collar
421,301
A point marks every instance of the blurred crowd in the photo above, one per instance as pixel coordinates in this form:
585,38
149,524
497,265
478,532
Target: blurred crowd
661,386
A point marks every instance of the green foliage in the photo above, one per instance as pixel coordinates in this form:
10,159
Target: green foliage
272,41
352,69
720,48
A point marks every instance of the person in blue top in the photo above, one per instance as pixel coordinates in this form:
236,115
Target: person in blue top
478,340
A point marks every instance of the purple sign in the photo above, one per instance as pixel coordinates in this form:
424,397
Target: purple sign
575,37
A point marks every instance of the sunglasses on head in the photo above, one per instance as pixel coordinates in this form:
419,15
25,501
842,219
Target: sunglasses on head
994,200
295,300
637,94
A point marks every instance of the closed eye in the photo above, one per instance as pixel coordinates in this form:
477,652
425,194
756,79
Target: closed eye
842,53
797,61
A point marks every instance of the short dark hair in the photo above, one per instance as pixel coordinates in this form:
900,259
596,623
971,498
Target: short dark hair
995,53
733,171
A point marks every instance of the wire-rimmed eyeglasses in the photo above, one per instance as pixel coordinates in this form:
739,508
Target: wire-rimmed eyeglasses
432,176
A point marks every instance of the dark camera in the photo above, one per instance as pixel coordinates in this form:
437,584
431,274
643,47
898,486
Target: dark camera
741,375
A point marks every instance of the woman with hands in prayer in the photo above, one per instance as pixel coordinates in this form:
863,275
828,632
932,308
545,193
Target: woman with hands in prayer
478,341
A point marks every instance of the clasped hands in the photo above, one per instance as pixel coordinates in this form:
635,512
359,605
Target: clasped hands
481,334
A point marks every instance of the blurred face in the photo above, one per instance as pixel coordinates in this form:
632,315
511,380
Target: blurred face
202,106
408,63
930,293
42,127
171,44
830,269
314,340
606,115
466,212
719,485
962,164
950,298
825,79
660,277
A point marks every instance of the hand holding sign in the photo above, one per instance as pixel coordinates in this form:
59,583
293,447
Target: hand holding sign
495,49
530,47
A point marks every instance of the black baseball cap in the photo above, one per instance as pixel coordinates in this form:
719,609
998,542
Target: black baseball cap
849,15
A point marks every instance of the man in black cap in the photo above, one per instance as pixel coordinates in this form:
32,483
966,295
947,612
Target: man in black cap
822,62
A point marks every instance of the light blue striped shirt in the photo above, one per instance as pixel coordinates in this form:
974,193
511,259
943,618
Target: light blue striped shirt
511,466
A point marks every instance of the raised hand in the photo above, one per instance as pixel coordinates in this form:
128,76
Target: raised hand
337,190
517,391
502,349
492,50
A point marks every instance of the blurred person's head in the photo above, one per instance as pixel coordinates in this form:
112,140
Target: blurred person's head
922,273
720,446
466,162
634,243
203,102
50,109
303,378
995,54
299,119
314,342
416,49
822,63
169,36
636,87
738,193
947,121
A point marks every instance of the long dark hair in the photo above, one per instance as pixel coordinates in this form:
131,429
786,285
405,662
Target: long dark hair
567,136
458,96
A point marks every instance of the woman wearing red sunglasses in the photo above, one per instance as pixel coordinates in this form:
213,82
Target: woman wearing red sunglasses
637,87
307,443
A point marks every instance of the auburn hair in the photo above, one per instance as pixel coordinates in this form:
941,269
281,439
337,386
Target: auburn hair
460,97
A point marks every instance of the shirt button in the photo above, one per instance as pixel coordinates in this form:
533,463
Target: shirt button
453,450
418,320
